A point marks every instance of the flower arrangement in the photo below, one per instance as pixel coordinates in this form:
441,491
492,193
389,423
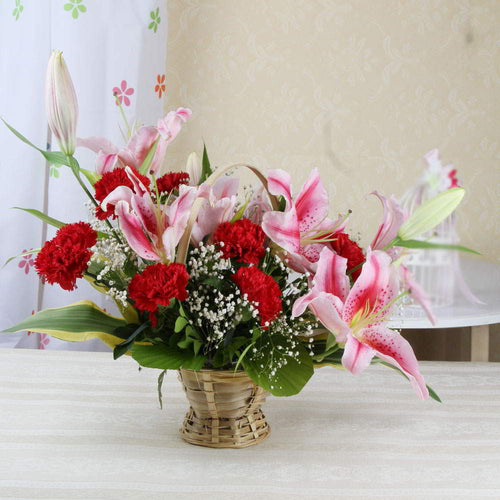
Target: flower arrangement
267,283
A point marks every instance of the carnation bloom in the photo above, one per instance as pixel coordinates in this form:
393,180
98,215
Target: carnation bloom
345,247
243,240
157,285
108,183
261,289
64,258
168,182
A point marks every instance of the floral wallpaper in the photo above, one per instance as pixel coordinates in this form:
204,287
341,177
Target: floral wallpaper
358,88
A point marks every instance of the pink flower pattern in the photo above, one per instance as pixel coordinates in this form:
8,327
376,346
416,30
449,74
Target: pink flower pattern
122,93
27,262
44,341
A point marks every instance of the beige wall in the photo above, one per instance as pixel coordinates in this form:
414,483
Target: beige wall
361,89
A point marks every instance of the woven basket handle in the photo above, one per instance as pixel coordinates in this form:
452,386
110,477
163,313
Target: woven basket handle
198,203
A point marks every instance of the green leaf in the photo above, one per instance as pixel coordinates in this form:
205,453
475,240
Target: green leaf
240,359
75,13
56,158
166,357
75,323
149,158
429,244
239,214
42,216
206,169
215,282
92,177
432,393
21,136
122,348
82,8
68,6
151,25
431,213
180,323
160,383
28,252
281,204
291,373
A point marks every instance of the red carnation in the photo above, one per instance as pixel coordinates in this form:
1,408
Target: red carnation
168,182
158,285
345,247
108,183
262,289
64,258
242,240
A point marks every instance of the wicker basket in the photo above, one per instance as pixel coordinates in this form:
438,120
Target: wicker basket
225,409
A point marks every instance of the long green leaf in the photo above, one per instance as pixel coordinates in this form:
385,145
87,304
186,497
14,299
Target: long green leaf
75,323
56,157
161,376
429,244
44,217
122,348
92,177
166,357
432,393
28,252
206,169
21,136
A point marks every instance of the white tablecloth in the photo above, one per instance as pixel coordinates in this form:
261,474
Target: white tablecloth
80,425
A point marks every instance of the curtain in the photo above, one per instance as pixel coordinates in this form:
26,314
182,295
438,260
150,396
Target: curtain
111,47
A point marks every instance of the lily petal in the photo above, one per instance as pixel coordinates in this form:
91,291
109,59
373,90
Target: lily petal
376,286
133,231
121,193
283,229
226,187
211,216
142,142
177,217
171,124
357,355
144,208
280,184
97,144
417,293
105,162
326,308
312,202
331,274
394,216
396,350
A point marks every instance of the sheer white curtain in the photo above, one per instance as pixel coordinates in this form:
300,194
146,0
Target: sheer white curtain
109,45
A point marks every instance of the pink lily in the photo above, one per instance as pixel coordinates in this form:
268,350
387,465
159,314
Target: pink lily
152,231
219,206
138,147
356,317
303,226
394,216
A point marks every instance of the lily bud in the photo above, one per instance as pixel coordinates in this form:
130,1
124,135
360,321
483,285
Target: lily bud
431,213
193,168
60,103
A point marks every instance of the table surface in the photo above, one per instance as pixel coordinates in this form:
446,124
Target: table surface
483,278
80,425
